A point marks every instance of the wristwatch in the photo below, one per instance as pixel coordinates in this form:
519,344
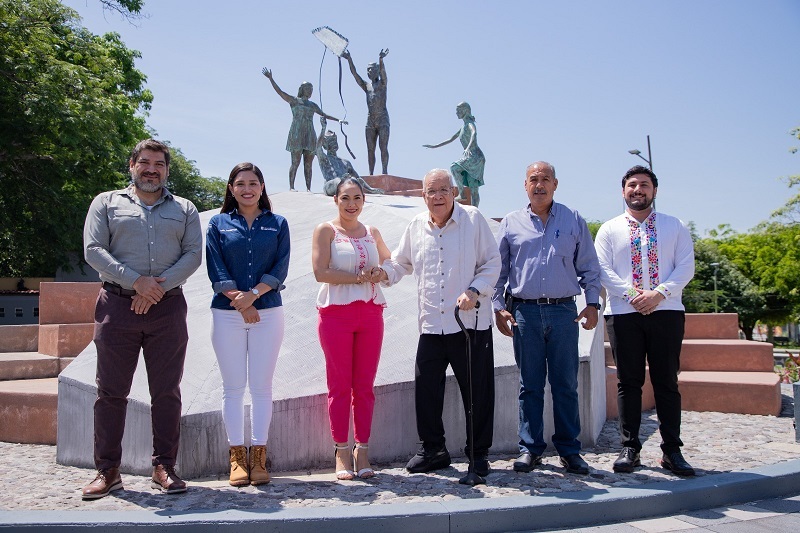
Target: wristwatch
596,306
473,289
255,291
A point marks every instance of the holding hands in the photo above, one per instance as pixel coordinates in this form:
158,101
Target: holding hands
647,301
148,292
373,275
243,302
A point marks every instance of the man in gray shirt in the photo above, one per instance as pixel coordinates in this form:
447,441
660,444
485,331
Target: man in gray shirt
145,242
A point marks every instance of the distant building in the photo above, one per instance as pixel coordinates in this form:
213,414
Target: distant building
19,307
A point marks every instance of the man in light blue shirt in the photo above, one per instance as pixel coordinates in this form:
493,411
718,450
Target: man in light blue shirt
547,257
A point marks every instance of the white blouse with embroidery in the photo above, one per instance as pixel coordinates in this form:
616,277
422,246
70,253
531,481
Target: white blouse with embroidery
351,254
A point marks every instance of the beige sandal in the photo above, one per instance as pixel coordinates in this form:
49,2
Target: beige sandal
342,472
363,473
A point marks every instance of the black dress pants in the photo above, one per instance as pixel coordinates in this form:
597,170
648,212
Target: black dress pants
655,340
434,353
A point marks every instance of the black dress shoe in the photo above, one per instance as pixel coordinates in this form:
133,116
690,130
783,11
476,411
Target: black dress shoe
527,462
675,463
628,460
428,460
574,464
482,465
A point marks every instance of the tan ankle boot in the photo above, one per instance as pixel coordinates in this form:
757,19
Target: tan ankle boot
258,465
239,472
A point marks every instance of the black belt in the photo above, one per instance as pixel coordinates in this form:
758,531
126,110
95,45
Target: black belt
543,301
119,291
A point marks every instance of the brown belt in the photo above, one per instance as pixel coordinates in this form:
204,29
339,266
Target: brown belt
128,293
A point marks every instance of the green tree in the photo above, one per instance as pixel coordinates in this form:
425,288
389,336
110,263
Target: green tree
790,211
768,256
185,180
72,106
594,227
735,293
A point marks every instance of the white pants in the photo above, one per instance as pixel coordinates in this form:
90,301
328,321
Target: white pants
247,351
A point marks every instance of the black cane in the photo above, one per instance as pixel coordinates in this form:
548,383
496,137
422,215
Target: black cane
472,478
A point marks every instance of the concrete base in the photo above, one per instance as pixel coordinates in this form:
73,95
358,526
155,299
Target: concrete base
300,435
19,338
28,411
394,437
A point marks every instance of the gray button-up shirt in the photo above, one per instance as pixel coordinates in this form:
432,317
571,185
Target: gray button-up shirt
124,240
551,260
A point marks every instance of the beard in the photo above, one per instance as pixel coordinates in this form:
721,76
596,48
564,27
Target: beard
639,203
144,186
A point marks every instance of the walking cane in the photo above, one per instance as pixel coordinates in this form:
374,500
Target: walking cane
472,478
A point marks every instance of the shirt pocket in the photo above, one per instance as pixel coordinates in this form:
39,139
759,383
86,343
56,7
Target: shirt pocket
171,225
126,222
564,247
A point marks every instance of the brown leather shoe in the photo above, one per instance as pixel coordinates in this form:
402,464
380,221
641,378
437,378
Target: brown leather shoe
240,475
166,480
259,475
104,483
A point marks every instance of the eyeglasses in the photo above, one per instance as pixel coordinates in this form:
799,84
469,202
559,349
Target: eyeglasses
444,191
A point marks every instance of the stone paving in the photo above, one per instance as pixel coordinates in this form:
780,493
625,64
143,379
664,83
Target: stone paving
714,443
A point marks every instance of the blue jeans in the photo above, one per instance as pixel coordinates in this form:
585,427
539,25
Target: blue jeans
546,346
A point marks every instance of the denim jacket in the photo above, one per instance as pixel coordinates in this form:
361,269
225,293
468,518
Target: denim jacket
238,257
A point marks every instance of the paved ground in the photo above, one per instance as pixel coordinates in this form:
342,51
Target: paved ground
779,515
715,443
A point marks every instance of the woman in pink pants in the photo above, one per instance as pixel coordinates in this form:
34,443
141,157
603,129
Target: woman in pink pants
346,256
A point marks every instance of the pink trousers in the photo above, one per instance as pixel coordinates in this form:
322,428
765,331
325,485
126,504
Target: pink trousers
351,336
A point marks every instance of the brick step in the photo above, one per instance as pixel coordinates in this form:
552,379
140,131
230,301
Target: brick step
724,355
31,365
750,393
711,326
65,339
28,409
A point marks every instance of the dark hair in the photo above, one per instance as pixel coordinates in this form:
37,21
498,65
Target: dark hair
150,144
347,180
639,169
230,203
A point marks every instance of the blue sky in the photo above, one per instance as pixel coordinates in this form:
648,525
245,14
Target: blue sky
577,83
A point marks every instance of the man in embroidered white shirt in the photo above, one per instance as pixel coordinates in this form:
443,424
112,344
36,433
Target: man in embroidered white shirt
646,259
454,257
